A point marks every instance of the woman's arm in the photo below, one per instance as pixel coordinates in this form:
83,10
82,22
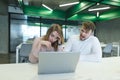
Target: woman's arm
36,47
33,57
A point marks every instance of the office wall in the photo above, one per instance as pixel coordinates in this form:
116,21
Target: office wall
108,31
3,8
3,28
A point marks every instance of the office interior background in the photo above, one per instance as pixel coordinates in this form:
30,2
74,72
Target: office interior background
23,20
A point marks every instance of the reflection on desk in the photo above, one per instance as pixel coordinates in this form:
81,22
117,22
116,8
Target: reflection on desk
108,69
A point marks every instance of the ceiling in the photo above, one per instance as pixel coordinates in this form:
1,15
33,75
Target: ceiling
72,12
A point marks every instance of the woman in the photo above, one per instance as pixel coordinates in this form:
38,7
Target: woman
49,42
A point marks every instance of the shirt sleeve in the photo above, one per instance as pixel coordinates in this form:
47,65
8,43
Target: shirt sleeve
96,49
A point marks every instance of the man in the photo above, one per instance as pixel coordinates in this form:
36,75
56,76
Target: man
86,43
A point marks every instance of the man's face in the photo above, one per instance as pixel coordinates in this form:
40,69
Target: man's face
84,34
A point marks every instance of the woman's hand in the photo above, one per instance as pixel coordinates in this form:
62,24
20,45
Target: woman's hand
59,39
47,44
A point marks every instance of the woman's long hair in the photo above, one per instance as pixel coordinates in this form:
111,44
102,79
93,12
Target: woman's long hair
58,28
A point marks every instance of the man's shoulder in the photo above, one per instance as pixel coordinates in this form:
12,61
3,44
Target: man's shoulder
94,38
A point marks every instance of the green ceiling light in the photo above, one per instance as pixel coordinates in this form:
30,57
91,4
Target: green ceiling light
43,12
88,17
68,4
82,17
111,14
82,4
116,0
97,9
98,14
20,0
78,8
47,7
74,17
112,2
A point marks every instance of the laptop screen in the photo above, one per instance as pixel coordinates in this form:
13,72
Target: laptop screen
57,62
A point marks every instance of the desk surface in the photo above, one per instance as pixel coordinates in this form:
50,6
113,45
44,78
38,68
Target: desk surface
108,69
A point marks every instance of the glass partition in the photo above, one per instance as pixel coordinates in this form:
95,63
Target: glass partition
24,29
71,30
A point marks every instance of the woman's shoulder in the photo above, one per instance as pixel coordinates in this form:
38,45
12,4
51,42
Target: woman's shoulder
37,39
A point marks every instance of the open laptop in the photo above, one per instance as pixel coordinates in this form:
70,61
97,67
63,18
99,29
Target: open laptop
57,62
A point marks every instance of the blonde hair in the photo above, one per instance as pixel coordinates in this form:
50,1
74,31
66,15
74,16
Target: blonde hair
58,28
88,25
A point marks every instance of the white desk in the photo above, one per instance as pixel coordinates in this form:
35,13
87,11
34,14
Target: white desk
108,69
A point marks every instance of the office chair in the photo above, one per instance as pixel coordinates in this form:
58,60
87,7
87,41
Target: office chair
108,50
24,52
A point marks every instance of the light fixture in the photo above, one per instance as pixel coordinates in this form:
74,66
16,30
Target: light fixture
47,7
97,14
116,0
37,23
62,5
97,9
98,3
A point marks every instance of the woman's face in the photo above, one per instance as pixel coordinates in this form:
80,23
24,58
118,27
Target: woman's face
54,36
84,34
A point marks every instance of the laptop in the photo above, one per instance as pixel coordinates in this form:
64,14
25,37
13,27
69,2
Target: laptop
57,62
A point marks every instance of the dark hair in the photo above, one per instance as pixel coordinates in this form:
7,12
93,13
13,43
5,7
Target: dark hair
88,25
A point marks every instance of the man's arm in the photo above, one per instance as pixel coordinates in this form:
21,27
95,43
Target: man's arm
96,50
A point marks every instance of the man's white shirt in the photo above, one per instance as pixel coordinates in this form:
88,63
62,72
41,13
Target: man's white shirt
90,49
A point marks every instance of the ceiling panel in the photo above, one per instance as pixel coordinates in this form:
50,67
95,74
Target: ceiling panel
72,12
